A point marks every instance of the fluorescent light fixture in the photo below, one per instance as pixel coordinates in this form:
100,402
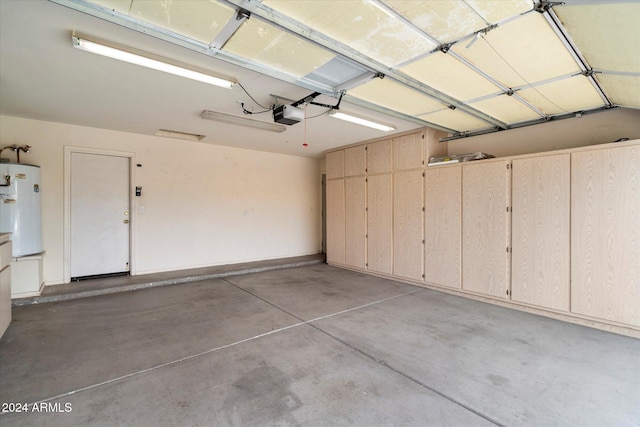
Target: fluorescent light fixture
179,135
103,49
336,114
241,121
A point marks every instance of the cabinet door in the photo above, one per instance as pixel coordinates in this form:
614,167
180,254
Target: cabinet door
407,224
540,231
408,151
335,164
605,234
485,225
355,222
355,161
443,226
335,221
380,223
379,157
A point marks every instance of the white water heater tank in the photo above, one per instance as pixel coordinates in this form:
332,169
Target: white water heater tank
20,207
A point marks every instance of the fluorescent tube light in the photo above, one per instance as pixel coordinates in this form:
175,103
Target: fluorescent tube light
100,48
179,135
241,121
336,114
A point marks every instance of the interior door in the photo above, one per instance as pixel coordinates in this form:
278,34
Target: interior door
99,214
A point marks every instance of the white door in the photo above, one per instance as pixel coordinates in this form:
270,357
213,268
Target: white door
99,214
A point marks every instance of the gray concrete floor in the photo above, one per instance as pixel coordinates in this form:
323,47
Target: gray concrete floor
310,346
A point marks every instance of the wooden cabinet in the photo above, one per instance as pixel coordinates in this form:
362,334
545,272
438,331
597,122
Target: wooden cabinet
408,151
335,164
355,161
335,221
442,226
605,234
540,231
355,222
485,225
380,223
380,157
407,224
552,233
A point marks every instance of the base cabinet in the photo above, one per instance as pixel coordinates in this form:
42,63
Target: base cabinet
5,283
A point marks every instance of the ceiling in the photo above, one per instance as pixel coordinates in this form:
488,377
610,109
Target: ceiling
463,66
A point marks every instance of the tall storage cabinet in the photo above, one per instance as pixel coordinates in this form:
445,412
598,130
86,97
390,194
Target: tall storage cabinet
407,225
540,227
605,234
442,226
335,208
355,222
380,207
485,225
553,233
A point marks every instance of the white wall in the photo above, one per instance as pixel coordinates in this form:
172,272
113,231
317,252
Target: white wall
203,204
591,129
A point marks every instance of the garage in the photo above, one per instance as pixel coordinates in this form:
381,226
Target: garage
321,213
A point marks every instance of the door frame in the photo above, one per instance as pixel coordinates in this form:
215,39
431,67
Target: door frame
68,151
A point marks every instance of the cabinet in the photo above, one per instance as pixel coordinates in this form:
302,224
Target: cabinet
355,222
379,157
335,221
335,164
408,151
380,223
485,225
407,224
5,282
553,233
442,226
355,161
540,231
605,234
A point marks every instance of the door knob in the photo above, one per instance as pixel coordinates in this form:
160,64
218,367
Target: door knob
126,221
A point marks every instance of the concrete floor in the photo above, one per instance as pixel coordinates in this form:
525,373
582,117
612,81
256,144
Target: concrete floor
310,346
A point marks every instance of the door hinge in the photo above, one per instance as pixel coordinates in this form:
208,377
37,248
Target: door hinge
423,276
507,249
507,291
423,209
423,241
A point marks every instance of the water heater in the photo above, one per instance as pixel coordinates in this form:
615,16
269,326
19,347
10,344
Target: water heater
20,207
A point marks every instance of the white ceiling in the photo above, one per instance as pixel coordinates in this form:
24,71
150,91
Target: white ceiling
519,70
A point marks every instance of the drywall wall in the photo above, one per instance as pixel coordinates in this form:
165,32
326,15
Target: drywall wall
203,204
591,129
